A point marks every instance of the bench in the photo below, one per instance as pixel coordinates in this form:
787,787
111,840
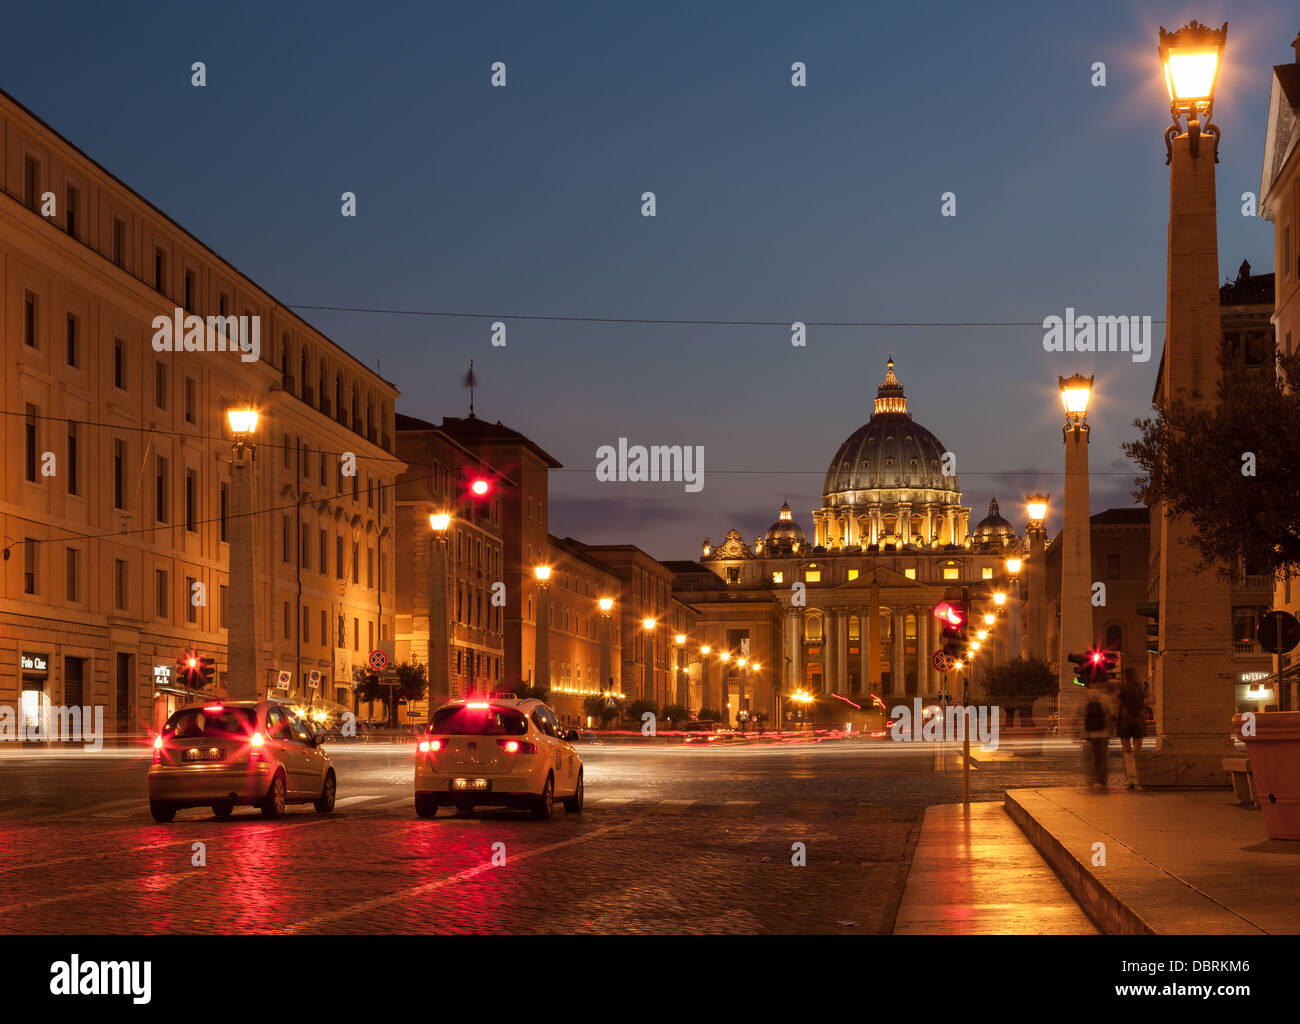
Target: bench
1243,781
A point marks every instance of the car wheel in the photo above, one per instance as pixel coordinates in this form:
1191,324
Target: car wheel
223,809
273,804
425,805
162,812
573,804
325,802
546,802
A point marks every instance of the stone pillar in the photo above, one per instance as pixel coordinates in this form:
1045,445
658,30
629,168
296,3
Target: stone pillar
542,643
904,522
922,651
950,521
796,652
841,683
439,622
1194,710
872,643
828,648
900,683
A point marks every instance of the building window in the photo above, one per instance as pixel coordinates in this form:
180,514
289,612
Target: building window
119,364
1114,637
189,289
191,501
30,312
119,241
31,182
73,355
284,540
160,384
356,634
119,473
159,270
191,609
70,470
305,533
338,557
733,574
812,575
190,400
356,562
30,442
70,210
324,553
306,625
29,566
73,575
225,511
909,574
160,578
288,622
119,584
224,605
853,574
951,572
160,489
986,573
1112,567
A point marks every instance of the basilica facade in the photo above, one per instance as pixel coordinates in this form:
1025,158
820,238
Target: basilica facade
848,610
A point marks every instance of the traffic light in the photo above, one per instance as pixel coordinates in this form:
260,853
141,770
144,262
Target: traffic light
953,617
1151,610
1108,667
1082,668
195,669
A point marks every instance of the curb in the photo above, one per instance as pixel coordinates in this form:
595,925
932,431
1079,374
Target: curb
1106,910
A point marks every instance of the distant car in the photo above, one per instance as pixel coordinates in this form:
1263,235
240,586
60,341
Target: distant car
247,753
502,752
698,726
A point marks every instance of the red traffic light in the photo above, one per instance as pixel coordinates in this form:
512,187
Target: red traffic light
949,613
479,487
1097,657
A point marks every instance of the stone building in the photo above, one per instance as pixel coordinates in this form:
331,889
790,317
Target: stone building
115,501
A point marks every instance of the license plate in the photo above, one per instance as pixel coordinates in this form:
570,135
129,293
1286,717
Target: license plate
473,784
201,754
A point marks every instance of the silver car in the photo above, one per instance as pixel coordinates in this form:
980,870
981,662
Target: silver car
247,752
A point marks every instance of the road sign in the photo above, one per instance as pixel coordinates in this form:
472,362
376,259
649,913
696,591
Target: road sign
943,661
285,678
378,660
611,703
1278,632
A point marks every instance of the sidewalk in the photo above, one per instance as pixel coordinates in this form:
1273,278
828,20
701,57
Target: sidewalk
1188,862
979,875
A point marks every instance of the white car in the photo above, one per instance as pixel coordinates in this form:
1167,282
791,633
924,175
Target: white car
497,751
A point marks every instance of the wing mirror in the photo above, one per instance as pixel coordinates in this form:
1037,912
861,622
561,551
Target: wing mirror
571,736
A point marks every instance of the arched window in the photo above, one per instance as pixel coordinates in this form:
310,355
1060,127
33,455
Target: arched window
1114,637
338,395
909,627
855,628
302,376
812,627
284,360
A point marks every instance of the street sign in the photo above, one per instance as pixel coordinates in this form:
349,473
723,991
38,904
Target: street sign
285,678
378,660
611,703
1278,632
943,661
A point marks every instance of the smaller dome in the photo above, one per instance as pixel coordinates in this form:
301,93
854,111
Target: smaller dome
785,533
993,528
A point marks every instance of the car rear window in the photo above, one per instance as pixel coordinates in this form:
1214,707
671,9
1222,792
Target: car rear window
467,721
195,722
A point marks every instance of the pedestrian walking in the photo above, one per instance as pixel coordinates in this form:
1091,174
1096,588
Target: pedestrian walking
1132,725
1098,714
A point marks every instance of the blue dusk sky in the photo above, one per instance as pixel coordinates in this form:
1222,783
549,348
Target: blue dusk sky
774,203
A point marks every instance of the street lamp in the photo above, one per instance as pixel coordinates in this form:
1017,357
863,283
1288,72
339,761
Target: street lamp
244,681
1076,544
1191,58
648,685
542,633
1036,508
606,640
439,623
1013,566
680,640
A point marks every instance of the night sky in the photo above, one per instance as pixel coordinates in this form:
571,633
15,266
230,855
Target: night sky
774,203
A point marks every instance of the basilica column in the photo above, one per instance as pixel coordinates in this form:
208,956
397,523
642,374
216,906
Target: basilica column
905,522
929,523
950,520
922,652
899,685
828,648
796,650
871,643
842,650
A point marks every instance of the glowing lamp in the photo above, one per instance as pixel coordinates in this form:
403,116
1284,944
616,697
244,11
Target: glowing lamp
542,572
647,624
479,487
1013,565
243,421
439,521
606,603
705,649
1191,58
999,598
1036,506
1076,391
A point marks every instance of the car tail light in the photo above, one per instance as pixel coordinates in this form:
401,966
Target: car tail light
517,746
157,750
214,707
255,743
430,746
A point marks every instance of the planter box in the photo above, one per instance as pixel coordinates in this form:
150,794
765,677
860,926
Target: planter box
1274,752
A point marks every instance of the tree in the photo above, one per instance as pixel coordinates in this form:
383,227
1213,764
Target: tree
1017,683
412,684
526,691
637,708
675,714
1231,468
598,709
710,715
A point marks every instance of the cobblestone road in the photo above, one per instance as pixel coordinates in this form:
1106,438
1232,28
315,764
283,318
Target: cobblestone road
673,839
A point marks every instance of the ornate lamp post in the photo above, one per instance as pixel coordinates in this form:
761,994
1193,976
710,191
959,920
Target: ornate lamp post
724,705
682,696
1076,548
1193,687
245,680
1036,506
606,642
439,622
648,685
542,638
